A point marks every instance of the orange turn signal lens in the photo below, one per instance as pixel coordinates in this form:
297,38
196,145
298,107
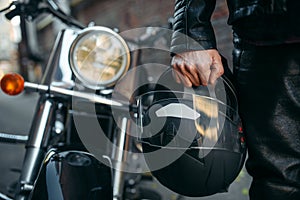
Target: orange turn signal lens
12,84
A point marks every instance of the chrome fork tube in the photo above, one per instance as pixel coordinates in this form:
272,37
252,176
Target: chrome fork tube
35,147
120,158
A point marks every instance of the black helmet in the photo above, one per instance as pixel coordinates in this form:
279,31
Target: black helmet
191,137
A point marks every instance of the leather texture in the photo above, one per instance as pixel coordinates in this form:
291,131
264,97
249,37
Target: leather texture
268,83
258,21
192,27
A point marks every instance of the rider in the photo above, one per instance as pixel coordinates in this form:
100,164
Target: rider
266,65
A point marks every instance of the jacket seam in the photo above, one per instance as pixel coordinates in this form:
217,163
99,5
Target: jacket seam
186,24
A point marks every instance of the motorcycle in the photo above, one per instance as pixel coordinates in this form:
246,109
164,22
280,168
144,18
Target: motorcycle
63,158
95,101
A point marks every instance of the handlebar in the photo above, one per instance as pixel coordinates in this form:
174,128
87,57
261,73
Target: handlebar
71,93
13,138
34,8
94,98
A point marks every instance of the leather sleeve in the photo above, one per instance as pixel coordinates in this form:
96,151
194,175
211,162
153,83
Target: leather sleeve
192,28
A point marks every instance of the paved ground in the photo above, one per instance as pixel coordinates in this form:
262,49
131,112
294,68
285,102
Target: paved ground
16,115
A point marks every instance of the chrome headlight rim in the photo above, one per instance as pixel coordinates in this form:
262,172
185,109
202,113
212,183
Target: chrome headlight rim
85,33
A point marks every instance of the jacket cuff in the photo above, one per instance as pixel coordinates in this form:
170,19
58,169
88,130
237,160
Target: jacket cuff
183,43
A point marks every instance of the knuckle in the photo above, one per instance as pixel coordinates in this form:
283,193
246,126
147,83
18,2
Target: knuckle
221,71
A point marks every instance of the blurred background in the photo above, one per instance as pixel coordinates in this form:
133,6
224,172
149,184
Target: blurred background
25,48
27,51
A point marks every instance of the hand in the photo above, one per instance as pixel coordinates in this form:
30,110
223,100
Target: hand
196,68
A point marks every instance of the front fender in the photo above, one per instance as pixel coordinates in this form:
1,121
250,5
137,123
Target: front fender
72,175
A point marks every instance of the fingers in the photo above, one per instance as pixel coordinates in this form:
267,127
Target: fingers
176,76
204,75
181,76
217,70
184,73
197,67
190,74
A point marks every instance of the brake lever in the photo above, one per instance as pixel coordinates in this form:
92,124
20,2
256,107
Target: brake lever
13,12
14,3
32,10
54,9
29,10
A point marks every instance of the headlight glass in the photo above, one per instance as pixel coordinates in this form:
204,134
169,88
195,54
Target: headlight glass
99,57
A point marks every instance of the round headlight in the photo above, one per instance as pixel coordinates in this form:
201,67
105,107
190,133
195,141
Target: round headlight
99,57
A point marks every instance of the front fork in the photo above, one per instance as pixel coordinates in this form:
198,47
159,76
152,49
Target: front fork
119,155
36,146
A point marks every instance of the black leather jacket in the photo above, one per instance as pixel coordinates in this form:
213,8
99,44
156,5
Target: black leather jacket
254,20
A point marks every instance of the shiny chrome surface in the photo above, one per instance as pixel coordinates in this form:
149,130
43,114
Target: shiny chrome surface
38,140
59,68
41,126
58,71
99,57
120,155
72,175
71,93
4,197
13,138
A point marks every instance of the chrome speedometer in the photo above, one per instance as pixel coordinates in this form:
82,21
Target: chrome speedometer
99,57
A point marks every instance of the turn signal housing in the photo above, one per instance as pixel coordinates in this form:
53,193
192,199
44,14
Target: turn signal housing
12,84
